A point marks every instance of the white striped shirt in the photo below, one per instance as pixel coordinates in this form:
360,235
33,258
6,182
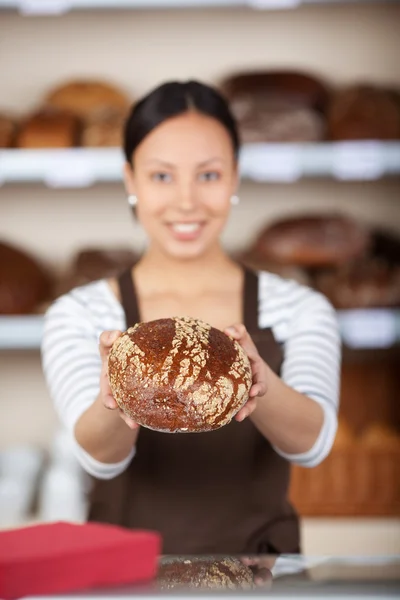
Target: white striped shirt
301,319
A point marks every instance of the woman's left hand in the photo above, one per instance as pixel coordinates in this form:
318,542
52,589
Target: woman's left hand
258,367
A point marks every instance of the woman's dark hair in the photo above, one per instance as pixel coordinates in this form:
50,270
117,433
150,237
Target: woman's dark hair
170,100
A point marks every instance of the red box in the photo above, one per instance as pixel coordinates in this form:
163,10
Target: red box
61,557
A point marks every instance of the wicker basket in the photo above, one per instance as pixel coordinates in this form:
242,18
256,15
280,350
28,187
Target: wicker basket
357,480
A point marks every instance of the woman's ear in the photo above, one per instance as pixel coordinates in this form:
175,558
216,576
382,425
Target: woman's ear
129,179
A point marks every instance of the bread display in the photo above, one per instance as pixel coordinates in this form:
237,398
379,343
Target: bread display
88,99
277,106
204,573
370,283
49,129
312,241
364,113
23,282
7,131
179,375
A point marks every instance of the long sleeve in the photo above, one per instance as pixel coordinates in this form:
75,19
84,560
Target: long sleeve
306,325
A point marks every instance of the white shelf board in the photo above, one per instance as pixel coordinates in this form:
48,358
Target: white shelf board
82,167
52,7
361,329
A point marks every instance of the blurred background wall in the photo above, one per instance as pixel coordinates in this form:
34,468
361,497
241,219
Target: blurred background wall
344,44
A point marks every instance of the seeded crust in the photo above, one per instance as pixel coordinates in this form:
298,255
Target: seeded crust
179,375
204,573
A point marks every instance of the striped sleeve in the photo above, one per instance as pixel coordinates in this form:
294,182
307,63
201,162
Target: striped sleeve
72,366
312,358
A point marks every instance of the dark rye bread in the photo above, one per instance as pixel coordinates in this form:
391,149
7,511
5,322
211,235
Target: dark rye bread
204,573
313,241
179,375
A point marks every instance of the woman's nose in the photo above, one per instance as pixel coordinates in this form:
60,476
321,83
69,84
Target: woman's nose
186,198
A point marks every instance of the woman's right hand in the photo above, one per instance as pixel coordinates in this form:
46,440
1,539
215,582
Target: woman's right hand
107,340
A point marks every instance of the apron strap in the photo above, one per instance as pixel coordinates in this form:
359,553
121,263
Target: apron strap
128,298
250,309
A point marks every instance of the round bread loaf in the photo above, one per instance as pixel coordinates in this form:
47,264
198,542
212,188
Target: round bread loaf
86,99
204,573
179,375
24,283
49,129
313,241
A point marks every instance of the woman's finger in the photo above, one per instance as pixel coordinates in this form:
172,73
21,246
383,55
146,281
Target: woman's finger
106,342
130,422
242,336
246,411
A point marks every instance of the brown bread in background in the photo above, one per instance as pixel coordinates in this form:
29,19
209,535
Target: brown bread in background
364,112
312,241
88,99
8,129
24,283
277,106
49,129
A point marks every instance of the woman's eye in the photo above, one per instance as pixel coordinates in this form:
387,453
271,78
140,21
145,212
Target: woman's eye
209,176
162,177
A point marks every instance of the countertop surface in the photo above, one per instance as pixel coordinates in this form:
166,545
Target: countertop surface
331,577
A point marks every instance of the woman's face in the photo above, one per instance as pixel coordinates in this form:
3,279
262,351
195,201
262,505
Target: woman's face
184,176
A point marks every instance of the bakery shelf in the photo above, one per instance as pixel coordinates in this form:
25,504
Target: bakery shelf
82,167
361,329
20,332
62,6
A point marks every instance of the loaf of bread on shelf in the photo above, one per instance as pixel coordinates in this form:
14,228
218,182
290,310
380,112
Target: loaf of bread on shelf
277,106
369,283
364,112
312,241
49,129
380,435
88,99
24,283
8,129
179,375
105,131
203,573
92,264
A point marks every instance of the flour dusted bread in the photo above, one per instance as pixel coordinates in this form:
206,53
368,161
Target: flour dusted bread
179,375
204,573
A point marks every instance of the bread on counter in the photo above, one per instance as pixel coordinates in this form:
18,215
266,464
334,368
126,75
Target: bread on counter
364,112
277,106
24,283
8,128
179,375
88,99
202,573
312,241
49,129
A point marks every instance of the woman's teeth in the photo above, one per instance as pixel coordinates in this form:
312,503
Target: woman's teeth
185,227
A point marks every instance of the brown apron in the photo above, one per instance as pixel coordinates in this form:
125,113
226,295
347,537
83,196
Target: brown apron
219,492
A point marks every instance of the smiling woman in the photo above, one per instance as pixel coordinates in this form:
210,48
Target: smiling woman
223,491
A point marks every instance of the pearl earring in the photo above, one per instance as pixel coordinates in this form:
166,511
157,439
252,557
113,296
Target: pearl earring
132,201
235,200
